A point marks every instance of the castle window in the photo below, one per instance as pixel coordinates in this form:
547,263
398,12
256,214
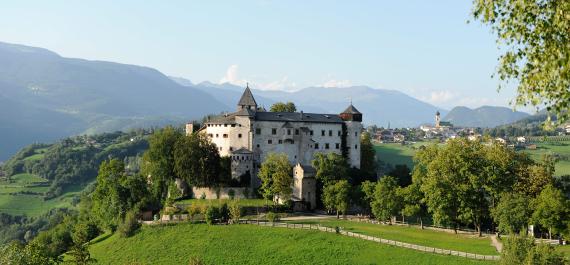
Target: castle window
338,133
288,131
231,148
239,135
225,125
225,135
257,145
210,135
355,146
355,133
337,146
233,125
274,131
296,131
322,132
220,148
269,141
316,145
327,146
330,132
311,132
257,130
217,135
280,141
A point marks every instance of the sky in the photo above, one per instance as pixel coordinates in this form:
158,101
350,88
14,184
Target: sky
426,49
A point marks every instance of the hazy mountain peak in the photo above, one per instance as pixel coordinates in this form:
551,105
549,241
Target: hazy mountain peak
484,116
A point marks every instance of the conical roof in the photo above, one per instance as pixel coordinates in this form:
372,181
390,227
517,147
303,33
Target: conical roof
351,110
247,98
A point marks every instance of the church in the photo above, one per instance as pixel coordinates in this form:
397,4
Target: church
250,133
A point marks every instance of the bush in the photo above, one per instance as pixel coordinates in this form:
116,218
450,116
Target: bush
232,194
224,213
193,210
523,250
272,217
129,225
235,211
246,193
211,214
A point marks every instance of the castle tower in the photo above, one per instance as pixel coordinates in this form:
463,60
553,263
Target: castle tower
437,119
247,101
353,122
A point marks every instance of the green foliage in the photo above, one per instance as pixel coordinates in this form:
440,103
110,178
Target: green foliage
129,225
158,160
276,176
336,196
522,250
367,156
412,204
536,55
235,211
330,167
211,215
512,213
272,217
551,210
79,251
116,194
232,194
196,160
402,174
387,202
173,193
283,107
17,254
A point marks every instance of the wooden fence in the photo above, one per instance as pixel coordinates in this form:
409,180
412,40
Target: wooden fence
374,239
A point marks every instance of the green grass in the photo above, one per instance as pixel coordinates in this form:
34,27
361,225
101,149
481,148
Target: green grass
219,202
248,244
413,235
562,148
564,249
397,154
30,205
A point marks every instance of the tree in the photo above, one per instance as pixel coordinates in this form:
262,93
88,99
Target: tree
551,210
537,55
336,196
523,250
412,202
235,211
197,160
283,107
79,251
276,176
403,175
158,160
367,188
330,167
387,201
367,156
512,213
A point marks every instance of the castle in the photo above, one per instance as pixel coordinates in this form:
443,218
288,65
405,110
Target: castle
251,133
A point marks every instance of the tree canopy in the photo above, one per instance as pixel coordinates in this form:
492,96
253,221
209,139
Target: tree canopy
536,38
276,175
283,107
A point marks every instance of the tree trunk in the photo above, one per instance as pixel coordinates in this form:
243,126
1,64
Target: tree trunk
479,230
421,223
337,215
550,233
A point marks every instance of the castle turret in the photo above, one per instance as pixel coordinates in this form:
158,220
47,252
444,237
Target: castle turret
247,101
437,119
353,123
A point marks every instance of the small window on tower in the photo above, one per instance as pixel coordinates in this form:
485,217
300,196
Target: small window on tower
337,146
296,131
311,132
316,145
288,131
274,131
327,146
339,133
355,133
239,135
355,146
269,141
330,132
280,141
257,130
231,148
322,132
225,135
217,135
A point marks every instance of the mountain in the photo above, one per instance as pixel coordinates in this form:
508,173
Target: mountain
380,106
485,116
44,96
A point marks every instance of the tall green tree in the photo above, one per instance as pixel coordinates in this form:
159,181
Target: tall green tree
158,161
283,107
512,213
197,161
367,156
336,196
276,176
79,251
535,35
387,201
551,210
412,204
330,167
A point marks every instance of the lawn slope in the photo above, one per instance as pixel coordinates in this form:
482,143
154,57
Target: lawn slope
248,244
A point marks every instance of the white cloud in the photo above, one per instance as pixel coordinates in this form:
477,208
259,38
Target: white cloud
232,76
439,97
337,83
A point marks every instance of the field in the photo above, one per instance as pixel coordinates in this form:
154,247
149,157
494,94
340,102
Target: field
248,244
395,154
30,202
414,235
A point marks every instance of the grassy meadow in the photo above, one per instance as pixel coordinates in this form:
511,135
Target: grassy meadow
23,196
249,244
414,235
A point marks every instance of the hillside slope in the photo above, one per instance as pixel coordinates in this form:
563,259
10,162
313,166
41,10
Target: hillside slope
65,96
485,116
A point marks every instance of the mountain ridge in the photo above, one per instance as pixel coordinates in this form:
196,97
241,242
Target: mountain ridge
484,116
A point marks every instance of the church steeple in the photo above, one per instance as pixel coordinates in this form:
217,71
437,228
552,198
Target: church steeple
247,101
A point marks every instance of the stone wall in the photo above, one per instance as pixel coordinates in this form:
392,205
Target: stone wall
223,192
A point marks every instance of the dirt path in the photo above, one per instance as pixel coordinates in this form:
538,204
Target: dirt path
496,243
